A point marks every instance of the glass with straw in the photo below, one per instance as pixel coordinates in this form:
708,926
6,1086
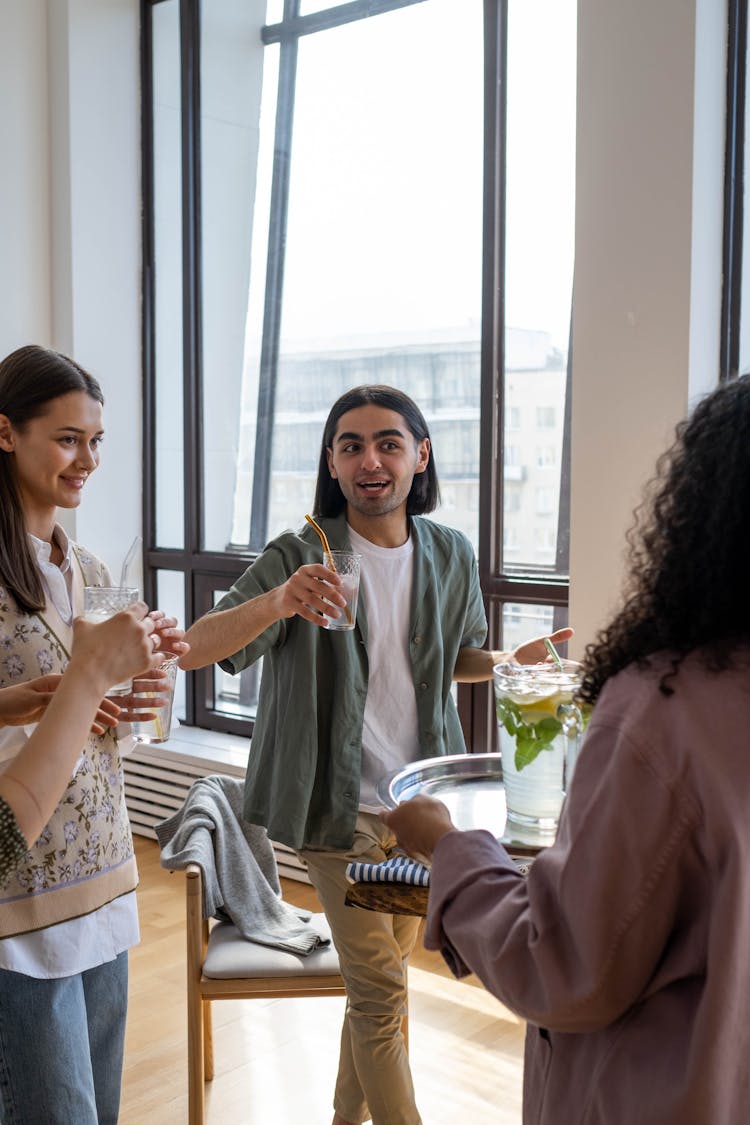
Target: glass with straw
347,565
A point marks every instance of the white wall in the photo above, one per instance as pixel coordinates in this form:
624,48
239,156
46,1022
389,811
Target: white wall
70,222
647,288
25,221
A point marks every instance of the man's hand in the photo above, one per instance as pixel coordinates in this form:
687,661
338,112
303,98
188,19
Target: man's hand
419,824
171,637
535,651
311,592
474,665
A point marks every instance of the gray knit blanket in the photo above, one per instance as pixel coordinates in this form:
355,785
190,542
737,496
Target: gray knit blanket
240,877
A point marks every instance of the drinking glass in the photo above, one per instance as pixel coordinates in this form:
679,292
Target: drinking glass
102,602
346,564
158,728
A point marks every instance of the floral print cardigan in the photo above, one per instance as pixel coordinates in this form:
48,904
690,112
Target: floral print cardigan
84,856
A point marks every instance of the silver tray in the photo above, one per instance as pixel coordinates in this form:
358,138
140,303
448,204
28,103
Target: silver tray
471,785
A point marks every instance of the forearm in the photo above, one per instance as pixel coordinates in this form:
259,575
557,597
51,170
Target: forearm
35,779
474,665
218,635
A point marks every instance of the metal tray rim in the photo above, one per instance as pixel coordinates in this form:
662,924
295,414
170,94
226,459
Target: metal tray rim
459,766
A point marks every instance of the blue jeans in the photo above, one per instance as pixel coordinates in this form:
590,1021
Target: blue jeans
61,1046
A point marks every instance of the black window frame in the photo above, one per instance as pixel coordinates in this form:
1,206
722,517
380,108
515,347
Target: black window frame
734,189
205,571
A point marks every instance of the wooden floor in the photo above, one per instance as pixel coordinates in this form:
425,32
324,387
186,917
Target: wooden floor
276,1061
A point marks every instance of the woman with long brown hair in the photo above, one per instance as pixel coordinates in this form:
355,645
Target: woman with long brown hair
67,911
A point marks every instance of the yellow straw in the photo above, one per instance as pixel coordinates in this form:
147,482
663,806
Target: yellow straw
324,541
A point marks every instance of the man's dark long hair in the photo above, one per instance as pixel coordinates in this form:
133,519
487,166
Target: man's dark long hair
689,551
424,495
30,378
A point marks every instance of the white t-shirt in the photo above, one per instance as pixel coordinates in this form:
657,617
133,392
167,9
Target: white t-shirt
82,943
390,734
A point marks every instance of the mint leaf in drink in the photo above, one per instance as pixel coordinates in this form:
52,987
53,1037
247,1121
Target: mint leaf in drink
531,739
509,715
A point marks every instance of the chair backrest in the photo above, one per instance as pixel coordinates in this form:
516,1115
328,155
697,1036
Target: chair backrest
243,970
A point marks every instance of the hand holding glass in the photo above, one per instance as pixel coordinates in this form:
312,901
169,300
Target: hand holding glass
157,729
346,565
102,602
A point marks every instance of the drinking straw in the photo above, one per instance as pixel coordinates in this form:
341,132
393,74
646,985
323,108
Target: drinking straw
128,560
324,541
553,653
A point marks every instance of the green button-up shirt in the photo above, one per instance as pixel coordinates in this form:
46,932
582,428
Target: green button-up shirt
304,768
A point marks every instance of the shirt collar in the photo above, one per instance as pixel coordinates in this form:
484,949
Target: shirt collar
42,549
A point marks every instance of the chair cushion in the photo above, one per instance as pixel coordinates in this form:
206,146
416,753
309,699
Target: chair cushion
230,955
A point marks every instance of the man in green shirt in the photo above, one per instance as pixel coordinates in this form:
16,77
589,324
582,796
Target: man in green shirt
339,709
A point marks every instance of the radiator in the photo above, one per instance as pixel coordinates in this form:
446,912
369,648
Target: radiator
158,777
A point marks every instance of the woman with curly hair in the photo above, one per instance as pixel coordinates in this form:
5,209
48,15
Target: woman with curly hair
626,947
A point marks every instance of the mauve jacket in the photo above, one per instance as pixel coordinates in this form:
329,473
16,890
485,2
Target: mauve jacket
627,946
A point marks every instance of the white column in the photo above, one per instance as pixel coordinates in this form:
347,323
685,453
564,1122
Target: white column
647,287
70,222
94,64
25,292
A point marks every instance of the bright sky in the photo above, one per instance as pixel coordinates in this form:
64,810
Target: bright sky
386,194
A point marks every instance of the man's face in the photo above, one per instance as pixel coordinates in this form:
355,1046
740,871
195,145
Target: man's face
374,456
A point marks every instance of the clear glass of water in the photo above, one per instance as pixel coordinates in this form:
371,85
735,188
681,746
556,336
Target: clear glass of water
102,602
346,564
158,728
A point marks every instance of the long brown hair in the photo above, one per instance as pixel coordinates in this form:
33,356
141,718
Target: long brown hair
30,378
424,495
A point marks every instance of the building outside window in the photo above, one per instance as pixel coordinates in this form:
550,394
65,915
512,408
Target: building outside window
545,417
546,457
545,501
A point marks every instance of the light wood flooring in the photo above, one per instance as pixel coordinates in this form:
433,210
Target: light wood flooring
276,1061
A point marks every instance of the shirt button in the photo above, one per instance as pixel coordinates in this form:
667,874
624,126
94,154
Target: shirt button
423,686
418,639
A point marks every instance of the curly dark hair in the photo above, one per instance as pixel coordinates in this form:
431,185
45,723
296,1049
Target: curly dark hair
689,551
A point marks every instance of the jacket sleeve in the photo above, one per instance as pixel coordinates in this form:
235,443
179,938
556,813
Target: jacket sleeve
575,943
475,624
269,570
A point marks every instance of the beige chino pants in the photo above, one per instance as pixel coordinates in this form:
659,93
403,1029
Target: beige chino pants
374,1080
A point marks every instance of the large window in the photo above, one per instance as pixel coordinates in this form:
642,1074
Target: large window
378,191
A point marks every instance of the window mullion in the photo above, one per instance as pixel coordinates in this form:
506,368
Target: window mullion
269,355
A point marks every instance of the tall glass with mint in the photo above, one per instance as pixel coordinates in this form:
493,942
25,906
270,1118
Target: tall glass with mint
540,727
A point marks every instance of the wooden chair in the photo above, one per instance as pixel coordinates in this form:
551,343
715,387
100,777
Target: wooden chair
221,965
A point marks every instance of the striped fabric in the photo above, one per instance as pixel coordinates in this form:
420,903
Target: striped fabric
400,869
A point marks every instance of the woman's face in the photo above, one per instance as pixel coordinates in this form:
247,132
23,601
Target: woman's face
55,453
